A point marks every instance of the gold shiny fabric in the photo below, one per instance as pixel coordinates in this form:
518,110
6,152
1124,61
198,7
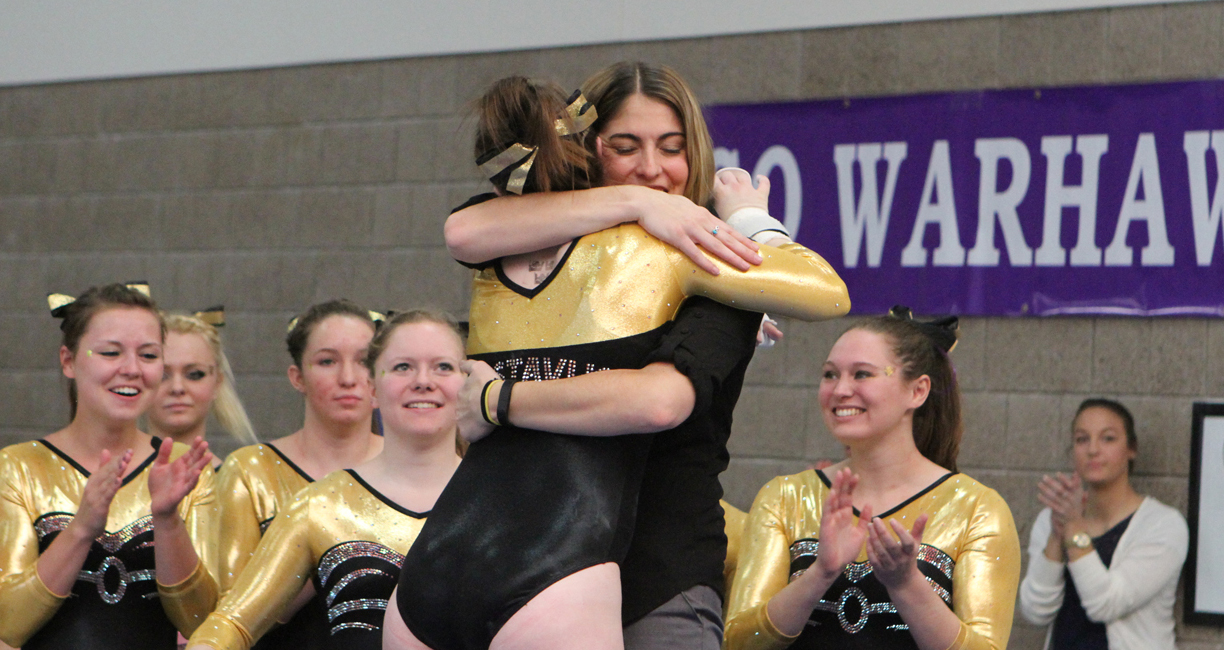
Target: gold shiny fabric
35,481
968,521
329,512
611,303
253,484
733,525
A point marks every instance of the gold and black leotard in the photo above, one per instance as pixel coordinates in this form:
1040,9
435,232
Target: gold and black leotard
253,485
970,555
116,601
338,532
528,508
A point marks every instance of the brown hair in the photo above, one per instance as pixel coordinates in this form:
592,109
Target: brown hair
383,336
937,423
77,315
304,324
608,90
518,110
227,407
1123,413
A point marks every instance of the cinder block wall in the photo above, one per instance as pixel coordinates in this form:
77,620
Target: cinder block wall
268,190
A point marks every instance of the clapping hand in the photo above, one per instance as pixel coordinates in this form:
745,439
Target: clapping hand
99,491
841,537
894,554
170,481
1064,495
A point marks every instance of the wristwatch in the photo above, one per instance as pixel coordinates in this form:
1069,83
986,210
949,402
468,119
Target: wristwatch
1082,541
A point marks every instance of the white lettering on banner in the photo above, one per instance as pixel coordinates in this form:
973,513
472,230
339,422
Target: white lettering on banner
991,202
1145,169
1206,219
724,157
780,157
942,213
869,219
1082,196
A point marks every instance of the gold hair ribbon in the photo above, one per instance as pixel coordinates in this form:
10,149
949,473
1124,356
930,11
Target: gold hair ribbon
214,316
292,323
57,301
581,113
513,155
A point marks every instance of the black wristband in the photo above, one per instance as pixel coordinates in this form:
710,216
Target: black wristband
503,403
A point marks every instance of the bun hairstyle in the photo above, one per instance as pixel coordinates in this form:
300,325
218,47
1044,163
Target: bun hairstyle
396,319
301,327
922,348
611,87
227,407
76,315
524,112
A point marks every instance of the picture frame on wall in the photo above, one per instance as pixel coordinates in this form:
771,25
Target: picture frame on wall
1205,561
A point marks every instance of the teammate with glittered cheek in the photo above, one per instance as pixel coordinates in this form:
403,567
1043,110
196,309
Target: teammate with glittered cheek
890,548
101,525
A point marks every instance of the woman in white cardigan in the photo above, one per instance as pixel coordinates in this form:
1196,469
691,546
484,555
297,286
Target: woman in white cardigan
1104,560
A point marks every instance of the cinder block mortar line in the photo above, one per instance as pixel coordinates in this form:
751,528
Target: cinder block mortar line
256,129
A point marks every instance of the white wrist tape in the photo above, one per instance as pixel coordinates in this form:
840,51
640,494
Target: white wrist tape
757,224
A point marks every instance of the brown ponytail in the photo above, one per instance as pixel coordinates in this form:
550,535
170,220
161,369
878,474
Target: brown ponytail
517,110
922,349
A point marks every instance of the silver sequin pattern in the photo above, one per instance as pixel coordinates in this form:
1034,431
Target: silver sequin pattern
350,550
347,606
98,578
857,571
349,578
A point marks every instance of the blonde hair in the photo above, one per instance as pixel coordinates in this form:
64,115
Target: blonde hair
226,407
608,90
382,337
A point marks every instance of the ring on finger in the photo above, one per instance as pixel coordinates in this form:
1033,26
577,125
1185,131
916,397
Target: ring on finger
715,231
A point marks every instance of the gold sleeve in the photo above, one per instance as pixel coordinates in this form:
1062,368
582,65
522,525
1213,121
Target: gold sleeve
187,603
791,280
238,532
282,564
26,602
764,570
733,527
986,576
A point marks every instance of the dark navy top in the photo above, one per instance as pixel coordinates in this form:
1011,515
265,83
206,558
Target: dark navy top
1072,628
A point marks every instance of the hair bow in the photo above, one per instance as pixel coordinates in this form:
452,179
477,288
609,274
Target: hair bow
941,331
58,302
214,316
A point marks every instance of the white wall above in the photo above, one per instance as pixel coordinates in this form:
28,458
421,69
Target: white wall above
64,40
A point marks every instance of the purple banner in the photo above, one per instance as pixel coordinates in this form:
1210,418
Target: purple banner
1093,200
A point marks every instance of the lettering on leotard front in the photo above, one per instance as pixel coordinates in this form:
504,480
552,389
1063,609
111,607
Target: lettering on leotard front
543,368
